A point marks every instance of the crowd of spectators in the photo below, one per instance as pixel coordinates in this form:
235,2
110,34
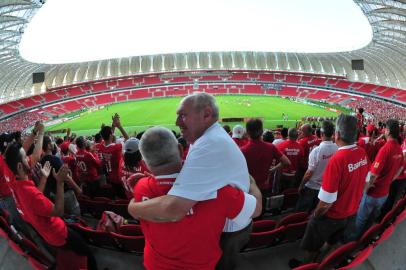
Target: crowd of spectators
21,121
380,110
206,184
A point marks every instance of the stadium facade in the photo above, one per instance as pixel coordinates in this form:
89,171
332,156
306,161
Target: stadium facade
384,57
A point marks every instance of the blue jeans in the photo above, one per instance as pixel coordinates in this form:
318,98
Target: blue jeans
368,211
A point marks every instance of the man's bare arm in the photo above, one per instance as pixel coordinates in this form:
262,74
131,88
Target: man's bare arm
322,208
167,208
254,191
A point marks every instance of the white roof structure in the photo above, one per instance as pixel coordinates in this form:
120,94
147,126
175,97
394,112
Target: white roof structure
384,57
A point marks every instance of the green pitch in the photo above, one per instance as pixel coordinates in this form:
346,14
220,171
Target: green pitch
139,115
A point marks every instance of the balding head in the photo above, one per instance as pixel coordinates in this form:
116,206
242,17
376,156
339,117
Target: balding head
196,113
306,129
201,101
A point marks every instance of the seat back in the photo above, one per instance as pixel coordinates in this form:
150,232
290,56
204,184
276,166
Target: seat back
265,239
263,226
130,230
295,231
293,218
338,256
371,235
130,243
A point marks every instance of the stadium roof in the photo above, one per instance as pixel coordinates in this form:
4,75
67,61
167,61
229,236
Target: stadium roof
384,56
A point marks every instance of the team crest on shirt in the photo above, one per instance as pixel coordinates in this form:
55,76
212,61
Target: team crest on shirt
376,165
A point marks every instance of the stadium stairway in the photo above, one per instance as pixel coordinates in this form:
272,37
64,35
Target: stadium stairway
390,255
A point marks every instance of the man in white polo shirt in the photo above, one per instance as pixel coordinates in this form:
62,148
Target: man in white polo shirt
318,159
213,161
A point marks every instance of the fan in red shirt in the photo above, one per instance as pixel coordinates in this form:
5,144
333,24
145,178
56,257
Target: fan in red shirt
360,119
397,188
88,166
68,158
388,165
38,210
340,194
295,153
133,166
260,156
98,142
372,142
238,136
113,156
178,245
308,141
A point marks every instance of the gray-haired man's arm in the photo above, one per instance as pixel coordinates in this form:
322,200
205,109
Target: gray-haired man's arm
167,208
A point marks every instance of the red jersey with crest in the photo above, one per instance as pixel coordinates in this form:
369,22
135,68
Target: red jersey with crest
344,181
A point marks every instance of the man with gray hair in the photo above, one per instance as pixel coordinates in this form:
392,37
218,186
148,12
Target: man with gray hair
178,245
213,161
318,159
340,193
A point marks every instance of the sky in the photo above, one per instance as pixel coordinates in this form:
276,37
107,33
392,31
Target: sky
67,31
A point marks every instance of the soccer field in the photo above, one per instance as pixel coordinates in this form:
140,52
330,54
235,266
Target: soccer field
139,115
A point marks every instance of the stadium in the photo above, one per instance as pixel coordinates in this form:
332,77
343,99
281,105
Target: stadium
283,89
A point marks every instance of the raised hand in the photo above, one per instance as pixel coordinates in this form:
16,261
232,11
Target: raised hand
44,170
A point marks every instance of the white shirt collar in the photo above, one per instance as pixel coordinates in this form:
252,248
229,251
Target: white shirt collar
167,176
347,147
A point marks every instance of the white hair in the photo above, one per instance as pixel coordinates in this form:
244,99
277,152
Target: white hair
201,100
159,148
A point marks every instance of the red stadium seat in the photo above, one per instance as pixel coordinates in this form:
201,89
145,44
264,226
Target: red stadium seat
97,238
293,218
32,250
130,243
130,230
389,218
386,234
294,231
359,258
265,239
263,226
339,256
371,235
309,266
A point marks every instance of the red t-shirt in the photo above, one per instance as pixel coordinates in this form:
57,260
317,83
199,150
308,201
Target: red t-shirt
308,143
193,242
402,176
71,162
5,177
113,161
344,180
294,152
387,163
88,165
260,156
36,209
240,142
96,148
370,149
